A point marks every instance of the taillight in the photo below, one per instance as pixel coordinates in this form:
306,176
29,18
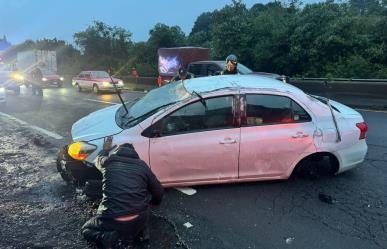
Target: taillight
363,127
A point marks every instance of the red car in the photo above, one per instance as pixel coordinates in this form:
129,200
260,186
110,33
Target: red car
97,81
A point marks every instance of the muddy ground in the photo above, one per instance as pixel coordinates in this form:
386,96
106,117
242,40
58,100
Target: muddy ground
38,210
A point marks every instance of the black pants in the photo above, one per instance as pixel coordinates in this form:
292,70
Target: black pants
37,90
94,228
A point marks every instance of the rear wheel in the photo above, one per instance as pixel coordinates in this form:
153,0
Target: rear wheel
95,89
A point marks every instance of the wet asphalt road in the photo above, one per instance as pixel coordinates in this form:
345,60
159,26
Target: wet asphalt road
276,214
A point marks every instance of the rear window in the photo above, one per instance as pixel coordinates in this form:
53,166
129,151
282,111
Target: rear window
273,109
195,69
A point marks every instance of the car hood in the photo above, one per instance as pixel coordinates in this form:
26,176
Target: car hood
96,125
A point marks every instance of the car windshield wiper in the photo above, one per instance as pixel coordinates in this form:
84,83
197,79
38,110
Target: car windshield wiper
201,99
130,105
148,113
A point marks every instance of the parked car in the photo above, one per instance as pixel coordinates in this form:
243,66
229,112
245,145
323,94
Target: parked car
96,81
210,68
222,129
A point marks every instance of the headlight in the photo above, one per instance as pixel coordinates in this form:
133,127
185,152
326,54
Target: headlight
105,83
44,79
81,150
120,82
2,90
61,78
17,76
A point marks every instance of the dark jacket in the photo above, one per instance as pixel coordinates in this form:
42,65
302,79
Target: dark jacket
128,184
225,72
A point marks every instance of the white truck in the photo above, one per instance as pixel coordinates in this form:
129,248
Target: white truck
45,60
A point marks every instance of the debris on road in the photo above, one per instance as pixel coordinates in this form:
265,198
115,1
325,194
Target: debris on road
188,225
289,240
187,190
326,198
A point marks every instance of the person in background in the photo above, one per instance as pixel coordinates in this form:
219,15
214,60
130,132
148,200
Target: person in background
134,74
182,74
231,65
129,189
159,81
36,81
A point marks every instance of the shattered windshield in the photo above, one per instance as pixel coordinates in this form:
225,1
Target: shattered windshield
153,101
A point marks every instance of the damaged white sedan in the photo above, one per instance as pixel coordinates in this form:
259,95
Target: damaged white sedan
222,129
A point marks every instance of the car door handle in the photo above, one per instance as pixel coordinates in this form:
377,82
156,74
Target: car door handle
300,135
228,141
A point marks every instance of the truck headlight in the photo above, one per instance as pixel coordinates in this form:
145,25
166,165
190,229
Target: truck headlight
44,79
2,90
18,76
61,79
105,83
120,82
81,150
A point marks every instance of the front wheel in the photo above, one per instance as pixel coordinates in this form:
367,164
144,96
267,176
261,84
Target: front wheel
74,171
79,87
95,89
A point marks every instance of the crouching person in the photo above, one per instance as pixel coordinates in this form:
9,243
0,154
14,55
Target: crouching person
129,188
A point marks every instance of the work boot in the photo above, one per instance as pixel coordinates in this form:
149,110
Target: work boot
109,239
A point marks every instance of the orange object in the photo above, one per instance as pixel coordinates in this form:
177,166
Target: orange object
159,81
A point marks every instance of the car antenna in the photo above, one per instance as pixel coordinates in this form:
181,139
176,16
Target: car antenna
118,93
326,86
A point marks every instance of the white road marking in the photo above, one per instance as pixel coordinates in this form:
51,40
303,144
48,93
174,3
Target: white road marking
101,101
41,130
187,191
188,225
368,110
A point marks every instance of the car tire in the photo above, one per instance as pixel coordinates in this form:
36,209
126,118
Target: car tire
95,89
61,158
79,87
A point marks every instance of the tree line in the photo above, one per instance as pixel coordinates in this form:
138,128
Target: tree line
326,39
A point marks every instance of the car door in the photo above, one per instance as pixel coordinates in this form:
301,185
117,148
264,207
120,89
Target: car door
197,143
87,80
276,132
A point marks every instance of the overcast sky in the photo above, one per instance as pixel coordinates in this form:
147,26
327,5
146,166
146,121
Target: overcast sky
36,19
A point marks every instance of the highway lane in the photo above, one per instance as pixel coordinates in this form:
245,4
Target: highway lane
275,214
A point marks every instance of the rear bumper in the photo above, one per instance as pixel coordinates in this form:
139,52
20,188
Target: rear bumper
352,156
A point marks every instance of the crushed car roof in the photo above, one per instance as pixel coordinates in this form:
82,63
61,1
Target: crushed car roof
213,83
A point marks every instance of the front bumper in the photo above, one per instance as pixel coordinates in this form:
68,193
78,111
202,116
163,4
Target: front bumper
110,88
